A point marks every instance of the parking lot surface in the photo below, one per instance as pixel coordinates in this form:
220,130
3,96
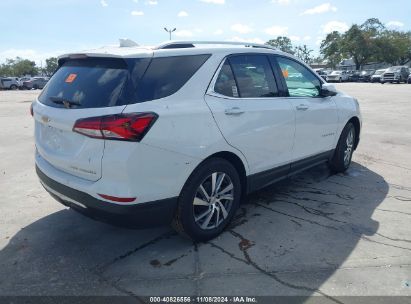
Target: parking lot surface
314,234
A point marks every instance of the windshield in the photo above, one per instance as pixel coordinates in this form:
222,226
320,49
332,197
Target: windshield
379,72
394,69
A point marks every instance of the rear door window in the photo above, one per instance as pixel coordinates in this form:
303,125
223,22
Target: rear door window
225,83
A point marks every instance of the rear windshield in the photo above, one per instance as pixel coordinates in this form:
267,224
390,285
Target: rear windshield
87,83
107,82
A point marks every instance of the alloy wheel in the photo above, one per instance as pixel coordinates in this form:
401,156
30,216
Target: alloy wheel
349,147
213,200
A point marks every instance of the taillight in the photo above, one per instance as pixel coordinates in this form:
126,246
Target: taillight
130,127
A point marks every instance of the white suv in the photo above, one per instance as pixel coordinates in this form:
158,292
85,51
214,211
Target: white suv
180,132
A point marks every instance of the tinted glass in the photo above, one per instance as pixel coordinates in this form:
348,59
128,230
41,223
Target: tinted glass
225,83
254,76
393,69
89,83
166,75
300,81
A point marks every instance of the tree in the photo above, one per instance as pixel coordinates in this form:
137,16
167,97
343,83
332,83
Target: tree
394,47
367,42
357,45
24,67
304,53
282,43
373,26
331,48
5,69
51,66
18,67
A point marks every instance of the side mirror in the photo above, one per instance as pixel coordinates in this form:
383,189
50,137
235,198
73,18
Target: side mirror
328,90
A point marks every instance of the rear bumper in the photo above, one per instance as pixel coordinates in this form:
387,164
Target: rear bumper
141,215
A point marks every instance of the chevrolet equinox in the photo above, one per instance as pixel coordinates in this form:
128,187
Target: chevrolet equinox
178,133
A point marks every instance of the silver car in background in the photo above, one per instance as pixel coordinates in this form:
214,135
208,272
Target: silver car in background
10,83
35,83
396,74
376,77
337,76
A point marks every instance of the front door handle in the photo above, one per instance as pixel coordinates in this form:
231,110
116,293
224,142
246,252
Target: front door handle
302,107
233,111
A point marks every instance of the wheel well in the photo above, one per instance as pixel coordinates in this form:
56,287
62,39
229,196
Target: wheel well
237,163
356,122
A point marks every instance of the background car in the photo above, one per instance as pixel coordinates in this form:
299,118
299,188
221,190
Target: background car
365,76
337,76
376,77
354,76
396,74
35,83
10,83
23,79
322,73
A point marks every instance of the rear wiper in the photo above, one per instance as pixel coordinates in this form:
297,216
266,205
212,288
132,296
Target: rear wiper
65,102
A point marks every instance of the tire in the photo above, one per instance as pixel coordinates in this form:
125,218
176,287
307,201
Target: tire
13,87
341,159
35,87
205,219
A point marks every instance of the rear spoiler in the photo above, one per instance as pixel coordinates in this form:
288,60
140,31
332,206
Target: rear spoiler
65,57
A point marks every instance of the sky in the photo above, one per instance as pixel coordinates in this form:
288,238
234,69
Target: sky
38,29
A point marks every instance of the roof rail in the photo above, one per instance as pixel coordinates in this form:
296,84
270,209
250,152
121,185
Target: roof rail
186,44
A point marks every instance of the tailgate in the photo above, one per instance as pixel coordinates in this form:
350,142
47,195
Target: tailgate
81,88
64,149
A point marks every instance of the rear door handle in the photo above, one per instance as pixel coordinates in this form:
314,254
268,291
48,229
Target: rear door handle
233,111
302,107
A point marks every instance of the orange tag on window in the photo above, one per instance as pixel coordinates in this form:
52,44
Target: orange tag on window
70,78
285,73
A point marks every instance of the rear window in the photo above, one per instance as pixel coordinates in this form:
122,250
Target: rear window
87,83
107,82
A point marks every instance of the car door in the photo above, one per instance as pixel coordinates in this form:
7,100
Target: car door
6,83
252,114
316,116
